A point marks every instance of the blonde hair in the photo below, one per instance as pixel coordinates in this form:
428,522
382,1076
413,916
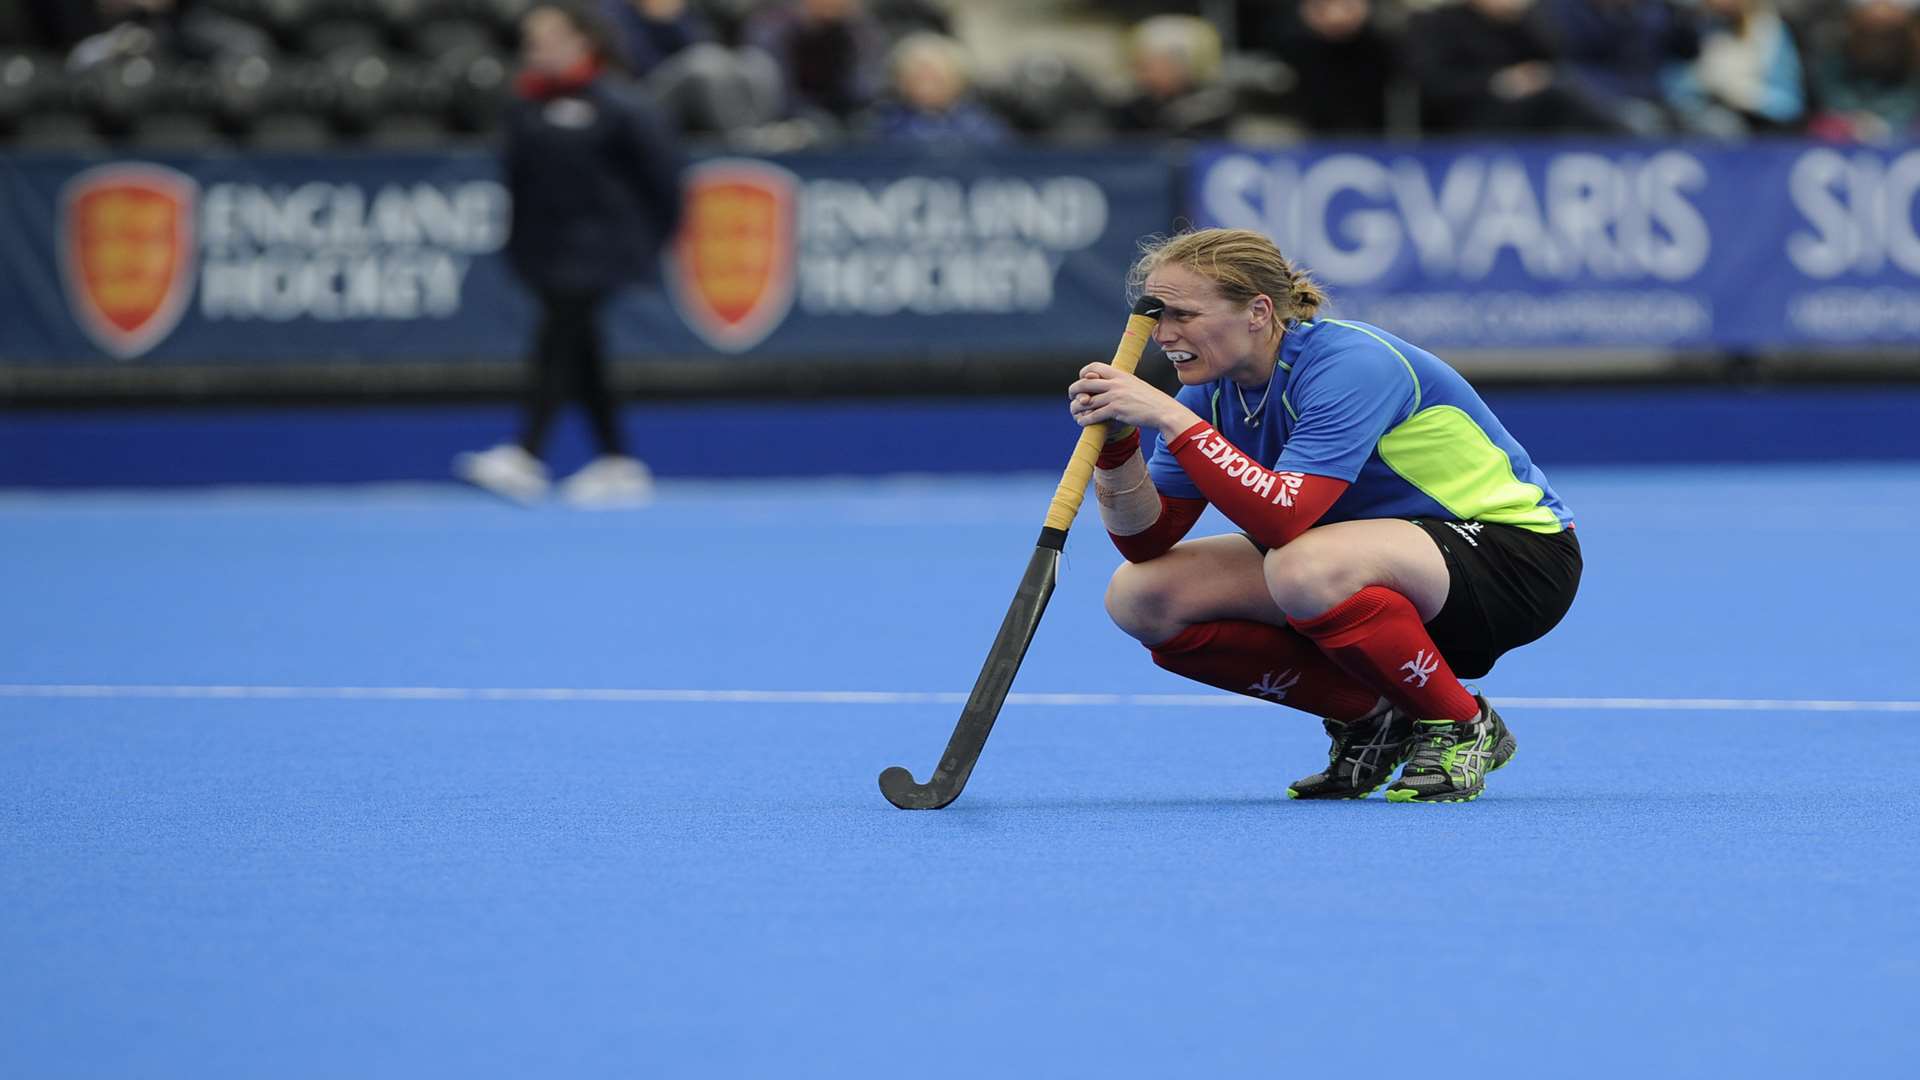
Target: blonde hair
923,45
1190,39
1241,263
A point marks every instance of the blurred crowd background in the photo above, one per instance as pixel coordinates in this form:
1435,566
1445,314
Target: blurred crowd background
777,75
319,203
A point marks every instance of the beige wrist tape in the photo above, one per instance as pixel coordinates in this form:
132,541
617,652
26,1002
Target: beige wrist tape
1129,503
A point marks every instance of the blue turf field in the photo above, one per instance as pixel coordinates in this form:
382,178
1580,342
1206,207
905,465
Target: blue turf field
1689,869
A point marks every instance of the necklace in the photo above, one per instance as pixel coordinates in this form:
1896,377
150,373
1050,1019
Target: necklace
1252,415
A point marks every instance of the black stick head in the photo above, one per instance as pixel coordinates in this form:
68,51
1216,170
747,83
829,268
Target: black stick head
1150,306
898,785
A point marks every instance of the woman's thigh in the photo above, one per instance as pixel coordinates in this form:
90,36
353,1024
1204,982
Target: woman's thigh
1329,563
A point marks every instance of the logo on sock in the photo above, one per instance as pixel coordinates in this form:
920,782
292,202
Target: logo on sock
1275,684
1422,665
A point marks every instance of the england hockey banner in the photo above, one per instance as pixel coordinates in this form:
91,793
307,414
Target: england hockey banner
399,258
1635,245
239,259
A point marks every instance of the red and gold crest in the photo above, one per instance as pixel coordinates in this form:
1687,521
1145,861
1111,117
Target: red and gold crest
127,246
733,271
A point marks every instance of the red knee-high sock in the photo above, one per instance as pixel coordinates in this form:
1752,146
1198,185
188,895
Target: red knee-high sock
1376,636
1263,661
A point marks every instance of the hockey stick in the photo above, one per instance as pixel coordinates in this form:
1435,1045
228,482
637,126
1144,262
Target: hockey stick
1029,603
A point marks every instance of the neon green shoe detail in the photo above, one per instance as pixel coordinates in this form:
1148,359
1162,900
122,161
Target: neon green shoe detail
1450,760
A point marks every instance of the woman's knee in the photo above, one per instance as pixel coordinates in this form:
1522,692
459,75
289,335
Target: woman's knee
1307,579
1140,601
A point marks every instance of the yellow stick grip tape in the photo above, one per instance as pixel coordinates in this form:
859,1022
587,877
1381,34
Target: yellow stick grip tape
1073,483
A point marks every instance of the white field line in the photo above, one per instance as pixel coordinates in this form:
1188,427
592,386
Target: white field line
871,697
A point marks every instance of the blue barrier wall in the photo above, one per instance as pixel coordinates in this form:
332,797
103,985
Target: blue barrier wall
372,444
306,259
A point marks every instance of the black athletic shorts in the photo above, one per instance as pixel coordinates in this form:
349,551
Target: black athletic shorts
1506,586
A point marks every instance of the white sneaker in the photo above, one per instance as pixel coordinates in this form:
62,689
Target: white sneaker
609,482
506,470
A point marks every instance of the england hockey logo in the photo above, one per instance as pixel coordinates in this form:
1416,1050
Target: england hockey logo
1422,665
733,269
1274,685
127,253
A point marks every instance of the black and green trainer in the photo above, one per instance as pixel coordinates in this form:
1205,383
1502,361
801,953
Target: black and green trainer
1450,760
1363,756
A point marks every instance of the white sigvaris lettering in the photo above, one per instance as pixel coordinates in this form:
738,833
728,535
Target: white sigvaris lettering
1859,212
1621,217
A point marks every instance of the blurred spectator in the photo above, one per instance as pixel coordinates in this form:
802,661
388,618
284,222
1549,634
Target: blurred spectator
1343,65
183,28
16,24
1046,95
1748,77
1616,52
595,181
648,31
930,104
1487,65
707,90
902,17
1176,68
830,50
54,24
1867,88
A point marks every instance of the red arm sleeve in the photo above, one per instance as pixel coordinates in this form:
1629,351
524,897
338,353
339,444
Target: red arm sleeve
1176,519
1273,507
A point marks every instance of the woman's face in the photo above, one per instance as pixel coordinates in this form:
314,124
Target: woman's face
1335,20
1203,333
927,81
550,44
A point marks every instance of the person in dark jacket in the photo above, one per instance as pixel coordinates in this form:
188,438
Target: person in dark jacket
651,31
1615,52
1488,65
594,175
1343,62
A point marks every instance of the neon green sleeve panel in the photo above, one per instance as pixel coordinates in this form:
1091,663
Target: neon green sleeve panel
1441,451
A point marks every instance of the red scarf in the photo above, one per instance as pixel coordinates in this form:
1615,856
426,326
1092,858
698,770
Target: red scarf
539,86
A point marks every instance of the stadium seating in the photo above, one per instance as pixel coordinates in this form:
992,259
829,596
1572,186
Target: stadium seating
713,90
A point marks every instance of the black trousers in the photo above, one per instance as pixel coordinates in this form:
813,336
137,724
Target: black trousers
567,362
